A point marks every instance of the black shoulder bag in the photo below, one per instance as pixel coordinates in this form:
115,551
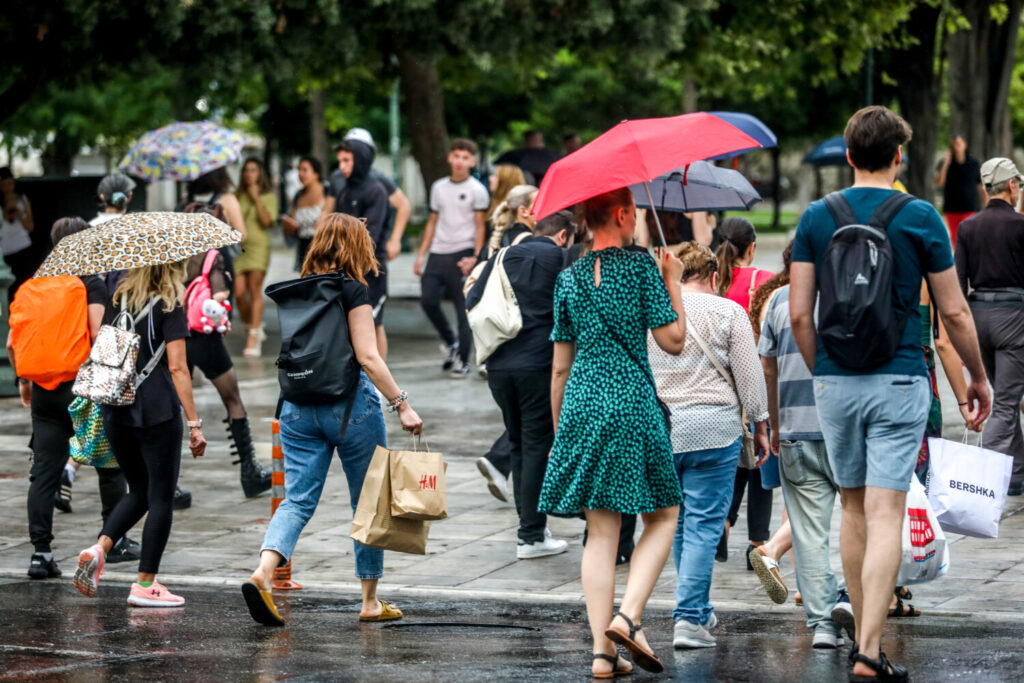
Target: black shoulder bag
665,411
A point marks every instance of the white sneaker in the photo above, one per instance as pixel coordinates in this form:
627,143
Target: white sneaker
825,640
549,546
687,635
842,616
712,622
497,483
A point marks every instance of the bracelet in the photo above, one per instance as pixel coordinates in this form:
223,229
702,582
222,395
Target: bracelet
398,400
963,404
195,424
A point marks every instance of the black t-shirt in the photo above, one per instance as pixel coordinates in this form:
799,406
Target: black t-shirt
156,400
960,193
95,289
353,294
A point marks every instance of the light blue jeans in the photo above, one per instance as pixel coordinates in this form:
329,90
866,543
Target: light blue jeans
706,478
309,436
873,426
810,493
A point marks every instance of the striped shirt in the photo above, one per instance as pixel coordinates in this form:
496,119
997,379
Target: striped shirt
798,417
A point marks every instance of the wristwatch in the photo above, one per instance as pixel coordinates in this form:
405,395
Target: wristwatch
195,424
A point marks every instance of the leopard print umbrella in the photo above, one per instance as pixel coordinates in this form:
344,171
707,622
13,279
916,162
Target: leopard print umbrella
135,240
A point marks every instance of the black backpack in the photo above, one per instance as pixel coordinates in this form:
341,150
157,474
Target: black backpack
317,363
857,318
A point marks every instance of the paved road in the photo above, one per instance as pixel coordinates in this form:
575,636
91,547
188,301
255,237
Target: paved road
471,555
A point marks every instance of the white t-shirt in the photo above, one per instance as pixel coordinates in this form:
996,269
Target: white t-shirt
455,204
13,235
104,217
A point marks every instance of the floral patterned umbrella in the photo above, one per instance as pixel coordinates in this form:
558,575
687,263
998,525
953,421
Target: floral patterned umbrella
135,240
182,151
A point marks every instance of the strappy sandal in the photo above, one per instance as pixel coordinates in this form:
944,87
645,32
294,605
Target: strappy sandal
885,670
261,605
388,612
616,669
903,592
903,609
642,657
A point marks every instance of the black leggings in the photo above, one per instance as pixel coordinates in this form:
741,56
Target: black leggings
443,278
149,458
759,504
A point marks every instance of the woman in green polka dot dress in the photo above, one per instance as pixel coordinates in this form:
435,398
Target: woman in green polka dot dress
612,453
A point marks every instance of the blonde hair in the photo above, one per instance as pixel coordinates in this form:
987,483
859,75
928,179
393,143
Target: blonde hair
699,263
505,213
164,281
508,177
342,243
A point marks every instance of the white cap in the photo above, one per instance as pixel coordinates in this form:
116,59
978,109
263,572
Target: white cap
362,135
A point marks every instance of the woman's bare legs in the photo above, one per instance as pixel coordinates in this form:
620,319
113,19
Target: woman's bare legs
254,305
242,297
597,571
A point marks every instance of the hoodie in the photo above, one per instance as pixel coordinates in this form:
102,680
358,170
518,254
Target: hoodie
365,197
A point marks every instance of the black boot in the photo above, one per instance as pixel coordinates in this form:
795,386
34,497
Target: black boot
255,479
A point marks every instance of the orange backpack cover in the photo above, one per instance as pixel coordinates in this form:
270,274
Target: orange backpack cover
50,329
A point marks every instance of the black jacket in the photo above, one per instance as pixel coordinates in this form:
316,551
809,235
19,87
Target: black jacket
365,197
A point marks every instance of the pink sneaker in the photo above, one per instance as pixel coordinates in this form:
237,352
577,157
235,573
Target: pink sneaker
154,596
90,569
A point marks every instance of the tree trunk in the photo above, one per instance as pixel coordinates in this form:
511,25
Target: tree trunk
689,95
59,155
423,108
918,93
981,63
318,124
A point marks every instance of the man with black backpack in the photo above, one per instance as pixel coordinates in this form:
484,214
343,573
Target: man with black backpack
864,251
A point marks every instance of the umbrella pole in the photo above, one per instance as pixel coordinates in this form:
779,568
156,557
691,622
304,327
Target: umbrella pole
657,221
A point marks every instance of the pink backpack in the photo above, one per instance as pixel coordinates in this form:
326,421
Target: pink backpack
198,293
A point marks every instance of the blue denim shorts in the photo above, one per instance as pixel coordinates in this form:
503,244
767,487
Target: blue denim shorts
873,426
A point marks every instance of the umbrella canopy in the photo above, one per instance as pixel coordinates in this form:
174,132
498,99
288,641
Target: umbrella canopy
701,186
635,152
832,152
182,151
752,126
135,240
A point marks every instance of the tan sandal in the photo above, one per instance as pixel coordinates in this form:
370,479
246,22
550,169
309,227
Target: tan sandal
642,657
388,612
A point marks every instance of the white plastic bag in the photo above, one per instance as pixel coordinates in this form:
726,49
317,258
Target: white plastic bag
925,552
496,318
967,486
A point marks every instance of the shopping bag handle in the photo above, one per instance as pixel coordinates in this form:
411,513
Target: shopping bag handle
420,442
980,438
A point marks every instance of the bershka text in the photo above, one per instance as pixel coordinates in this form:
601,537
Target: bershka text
972,488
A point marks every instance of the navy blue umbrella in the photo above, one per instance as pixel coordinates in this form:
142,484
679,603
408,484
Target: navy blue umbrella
701,186
832,152
752,126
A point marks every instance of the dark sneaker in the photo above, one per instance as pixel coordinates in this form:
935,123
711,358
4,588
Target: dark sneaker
182,499
722,551
125,550
451,355
41,568
62,499
460,371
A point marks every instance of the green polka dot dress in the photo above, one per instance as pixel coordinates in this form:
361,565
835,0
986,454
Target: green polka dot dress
612,450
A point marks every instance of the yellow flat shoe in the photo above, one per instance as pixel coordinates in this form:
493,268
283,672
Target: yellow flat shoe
388,612
261,605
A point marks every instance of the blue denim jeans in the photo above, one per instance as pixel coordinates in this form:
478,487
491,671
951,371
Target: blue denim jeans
309,436
706,478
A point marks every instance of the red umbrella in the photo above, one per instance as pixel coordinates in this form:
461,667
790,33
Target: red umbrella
636,152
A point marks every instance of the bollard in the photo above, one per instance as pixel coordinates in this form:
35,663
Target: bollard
282,575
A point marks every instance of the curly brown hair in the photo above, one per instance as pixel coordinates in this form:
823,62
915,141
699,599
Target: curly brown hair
341,243
699,263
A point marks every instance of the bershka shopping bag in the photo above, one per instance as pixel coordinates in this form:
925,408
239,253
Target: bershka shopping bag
417,484
967,486
925,552
373,523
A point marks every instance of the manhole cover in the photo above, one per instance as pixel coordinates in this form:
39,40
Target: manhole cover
455,627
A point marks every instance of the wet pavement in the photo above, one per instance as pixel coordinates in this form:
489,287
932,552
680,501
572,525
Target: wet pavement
51,632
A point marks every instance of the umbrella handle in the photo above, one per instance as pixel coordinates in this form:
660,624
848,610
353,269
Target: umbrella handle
657,221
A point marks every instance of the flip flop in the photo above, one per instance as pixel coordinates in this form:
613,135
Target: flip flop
642,657
616,670
388,612
261,605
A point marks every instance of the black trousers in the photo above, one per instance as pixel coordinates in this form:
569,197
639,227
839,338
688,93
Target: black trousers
443,278
500,454
150,458
51,429
759,504
525,401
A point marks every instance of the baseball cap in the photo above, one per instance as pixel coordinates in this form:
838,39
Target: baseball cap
362,135
998,170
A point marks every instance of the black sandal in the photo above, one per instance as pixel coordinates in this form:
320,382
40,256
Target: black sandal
903,592
903,609
885,670
616,671
642,657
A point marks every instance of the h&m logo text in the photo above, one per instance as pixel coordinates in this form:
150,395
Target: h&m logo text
428,481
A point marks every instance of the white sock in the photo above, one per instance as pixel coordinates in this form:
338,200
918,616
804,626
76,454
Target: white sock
71,473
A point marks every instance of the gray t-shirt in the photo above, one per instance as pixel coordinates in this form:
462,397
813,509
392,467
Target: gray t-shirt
798,416
455,204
